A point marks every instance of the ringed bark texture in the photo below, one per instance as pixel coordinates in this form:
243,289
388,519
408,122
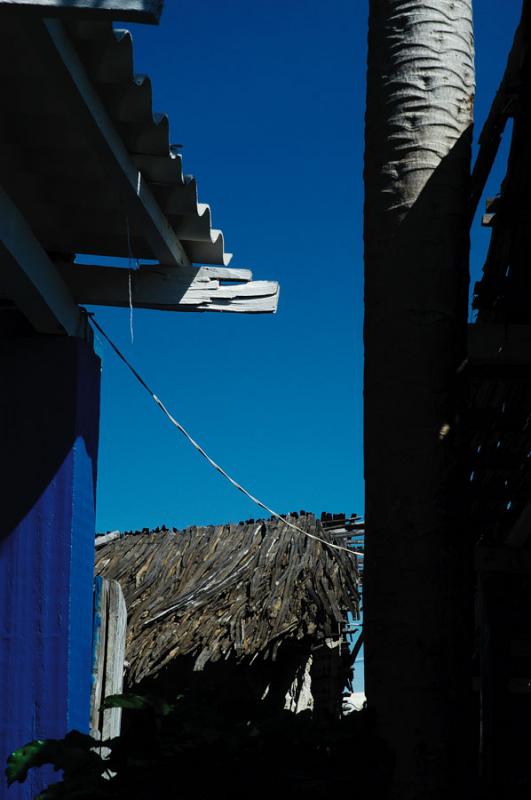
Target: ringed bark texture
420,91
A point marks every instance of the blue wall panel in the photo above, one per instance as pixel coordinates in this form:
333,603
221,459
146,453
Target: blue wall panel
49,408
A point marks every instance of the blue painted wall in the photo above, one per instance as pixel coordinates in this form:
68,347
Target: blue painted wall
49,413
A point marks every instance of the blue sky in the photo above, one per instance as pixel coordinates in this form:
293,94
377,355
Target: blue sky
267,99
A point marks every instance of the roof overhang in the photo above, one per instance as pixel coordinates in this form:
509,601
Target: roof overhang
127,10
89,170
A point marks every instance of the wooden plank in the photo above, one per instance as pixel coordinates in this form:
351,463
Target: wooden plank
100,541
98,653
110,623
114,657
168,289
30,279
252,305
147,11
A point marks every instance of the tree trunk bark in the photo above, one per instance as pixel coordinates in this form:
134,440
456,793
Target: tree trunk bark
420,91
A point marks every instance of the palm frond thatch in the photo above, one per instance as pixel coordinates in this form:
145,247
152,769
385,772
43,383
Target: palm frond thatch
235,591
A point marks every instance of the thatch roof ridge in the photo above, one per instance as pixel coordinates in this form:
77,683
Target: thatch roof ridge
234,590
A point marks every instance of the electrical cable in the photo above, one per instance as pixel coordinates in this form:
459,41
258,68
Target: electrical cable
205,455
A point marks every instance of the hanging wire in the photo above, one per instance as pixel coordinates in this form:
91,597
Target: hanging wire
210,460
133,264
131,328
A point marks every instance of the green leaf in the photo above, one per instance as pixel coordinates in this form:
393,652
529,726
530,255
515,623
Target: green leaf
74,752
33,754
137,702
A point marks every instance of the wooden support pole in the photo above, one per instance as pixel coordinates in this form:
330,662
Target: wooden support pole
30,280
108,656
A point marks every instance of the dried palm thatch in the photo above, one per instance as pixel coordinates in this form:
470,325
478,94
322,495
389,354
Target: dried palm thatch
227,591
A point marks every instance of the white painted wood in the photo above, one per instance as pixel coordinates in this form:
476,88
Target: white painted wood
114,657
108,657
171,289
227,273
255,305
30,280
106,538
299,696
252,289
132,10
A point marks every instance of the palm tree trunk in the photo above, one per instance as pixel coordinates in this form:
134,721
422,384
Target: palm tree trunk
420,90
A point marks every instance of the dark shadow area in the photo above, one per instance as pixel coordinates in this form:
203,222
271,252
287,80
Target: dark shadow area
46,390
190,744
418,578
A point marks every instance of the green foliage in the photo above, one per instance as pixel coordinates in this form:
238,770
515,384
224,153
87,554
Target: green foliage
83,767
140,702
194,744
31,755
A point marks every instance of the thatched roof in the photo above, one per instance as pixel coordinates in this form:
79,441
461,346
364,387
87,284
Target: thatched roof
236,591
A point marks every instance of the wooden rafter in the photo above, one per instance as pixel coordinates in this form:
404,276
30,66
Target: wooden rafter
172,289
29,278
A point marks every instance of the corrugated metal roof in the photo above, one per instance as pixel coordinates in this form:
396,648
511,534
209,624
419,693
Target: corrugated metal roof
50,164
107,54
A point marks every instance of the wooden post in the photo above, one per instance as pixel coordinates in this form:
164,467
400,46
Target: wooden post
110,627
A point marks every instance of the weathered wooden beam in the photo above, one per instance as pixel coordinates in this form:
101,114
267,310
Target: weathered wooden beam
147,11
100,541
110,623
171,289
30,280
52,42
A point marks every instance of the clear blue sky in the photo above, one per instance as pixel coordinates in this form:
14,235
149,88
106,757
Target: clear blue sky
268,100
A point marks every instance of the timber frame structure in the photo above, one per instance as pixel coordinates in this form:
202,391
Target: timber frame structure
89,177
88,168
